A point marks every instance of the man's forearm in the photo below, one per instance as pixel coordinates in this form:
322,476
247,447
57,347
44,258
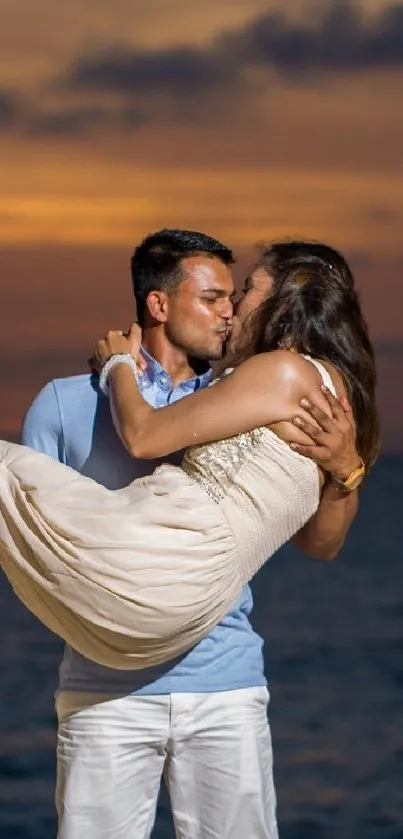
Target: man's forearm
324,535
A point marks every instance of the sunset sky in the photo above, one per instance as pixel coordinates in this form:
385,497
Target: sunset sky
246,119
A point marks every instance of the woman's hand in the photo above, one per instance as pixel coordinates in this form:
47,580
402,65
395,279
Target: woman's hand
115,341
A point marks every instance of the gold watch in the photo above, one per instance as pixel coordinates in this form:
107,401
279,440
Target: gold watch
353,480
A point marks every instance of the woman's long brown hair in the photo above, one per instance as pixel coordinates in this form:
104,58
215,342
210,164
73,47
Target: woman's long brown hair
314,306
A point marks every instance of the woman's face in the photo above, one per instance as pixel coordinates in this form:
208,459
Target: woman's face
257,287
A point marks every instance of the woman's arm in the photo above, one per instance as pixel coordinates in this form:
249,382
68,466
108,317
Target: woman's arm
263,390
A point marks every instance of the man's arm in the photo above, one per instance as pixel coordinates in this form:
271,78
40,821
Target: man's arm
42,427
333,448
324,535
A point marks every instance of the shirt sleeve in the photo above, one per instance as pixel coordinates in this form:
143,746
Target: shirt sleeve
42,428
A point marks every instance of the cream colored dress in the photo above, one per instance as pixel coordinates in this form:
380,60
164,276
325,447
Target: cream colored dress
137,576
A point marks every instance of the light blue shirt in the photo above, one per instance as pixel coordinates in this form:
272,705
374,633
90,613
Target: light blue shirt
70,420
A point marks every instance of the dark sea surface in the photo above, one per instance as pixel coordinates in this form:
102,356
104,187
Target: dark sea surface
334,657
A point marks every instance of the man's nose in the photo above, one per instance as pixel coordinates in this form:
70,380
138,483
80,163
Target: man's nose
227,310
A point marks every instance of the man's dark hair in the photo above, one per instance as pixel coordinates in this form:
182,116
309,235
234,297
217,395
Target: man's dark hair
156,262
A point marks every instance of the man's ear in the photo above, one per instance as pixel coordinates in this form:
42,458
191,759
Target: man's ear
157,306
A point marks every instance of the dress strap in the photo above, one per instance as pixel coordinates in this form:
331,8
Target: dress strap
326,377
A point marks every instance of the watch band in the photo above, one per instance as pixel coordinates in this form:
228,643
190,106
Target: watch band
353,480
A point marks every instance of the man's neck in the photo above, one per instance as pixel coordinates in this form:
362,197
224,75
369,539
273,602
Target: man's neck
176,363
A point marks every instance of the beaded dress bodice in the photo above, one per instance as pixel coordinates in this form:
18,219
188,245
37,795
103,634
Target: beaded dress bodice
266,491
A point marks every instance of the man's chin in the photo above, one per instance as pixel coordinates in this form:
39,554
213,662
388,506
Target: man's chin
218,354
207,354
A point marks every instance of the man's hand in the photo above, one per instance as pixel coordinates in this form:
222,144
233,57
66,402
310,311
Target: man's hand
333,445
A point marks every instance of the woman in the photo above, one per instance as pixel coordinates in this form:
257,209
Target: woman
137,576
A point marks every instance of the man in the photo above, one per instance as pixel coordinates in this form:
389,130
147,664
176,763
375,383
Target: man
200,721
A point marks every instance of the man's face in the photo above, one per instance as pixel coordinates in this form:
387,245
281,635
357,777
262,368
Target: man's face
199,315
257,287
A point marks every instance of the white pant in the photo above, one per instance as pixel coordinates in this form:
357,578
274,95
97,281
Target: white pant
213,749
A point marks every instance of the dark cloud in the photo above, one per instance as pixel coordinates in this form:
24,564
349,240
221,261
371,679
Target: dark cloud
180,79
9,109
178,72
73,122
187,83
341,38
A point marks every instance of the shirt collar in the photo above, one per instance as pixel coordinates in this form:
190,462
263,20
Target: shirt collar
155,373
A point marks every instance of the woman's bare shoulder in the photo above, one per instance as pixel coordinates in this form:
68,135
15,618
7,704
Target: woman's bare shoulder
289,374
290,367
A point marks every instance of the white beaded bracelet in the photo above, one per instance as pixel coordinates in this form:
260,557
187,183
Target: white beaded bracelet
113,360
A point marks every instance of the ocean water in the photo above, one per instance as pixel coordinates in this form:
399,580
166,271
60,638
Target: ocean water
334,658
